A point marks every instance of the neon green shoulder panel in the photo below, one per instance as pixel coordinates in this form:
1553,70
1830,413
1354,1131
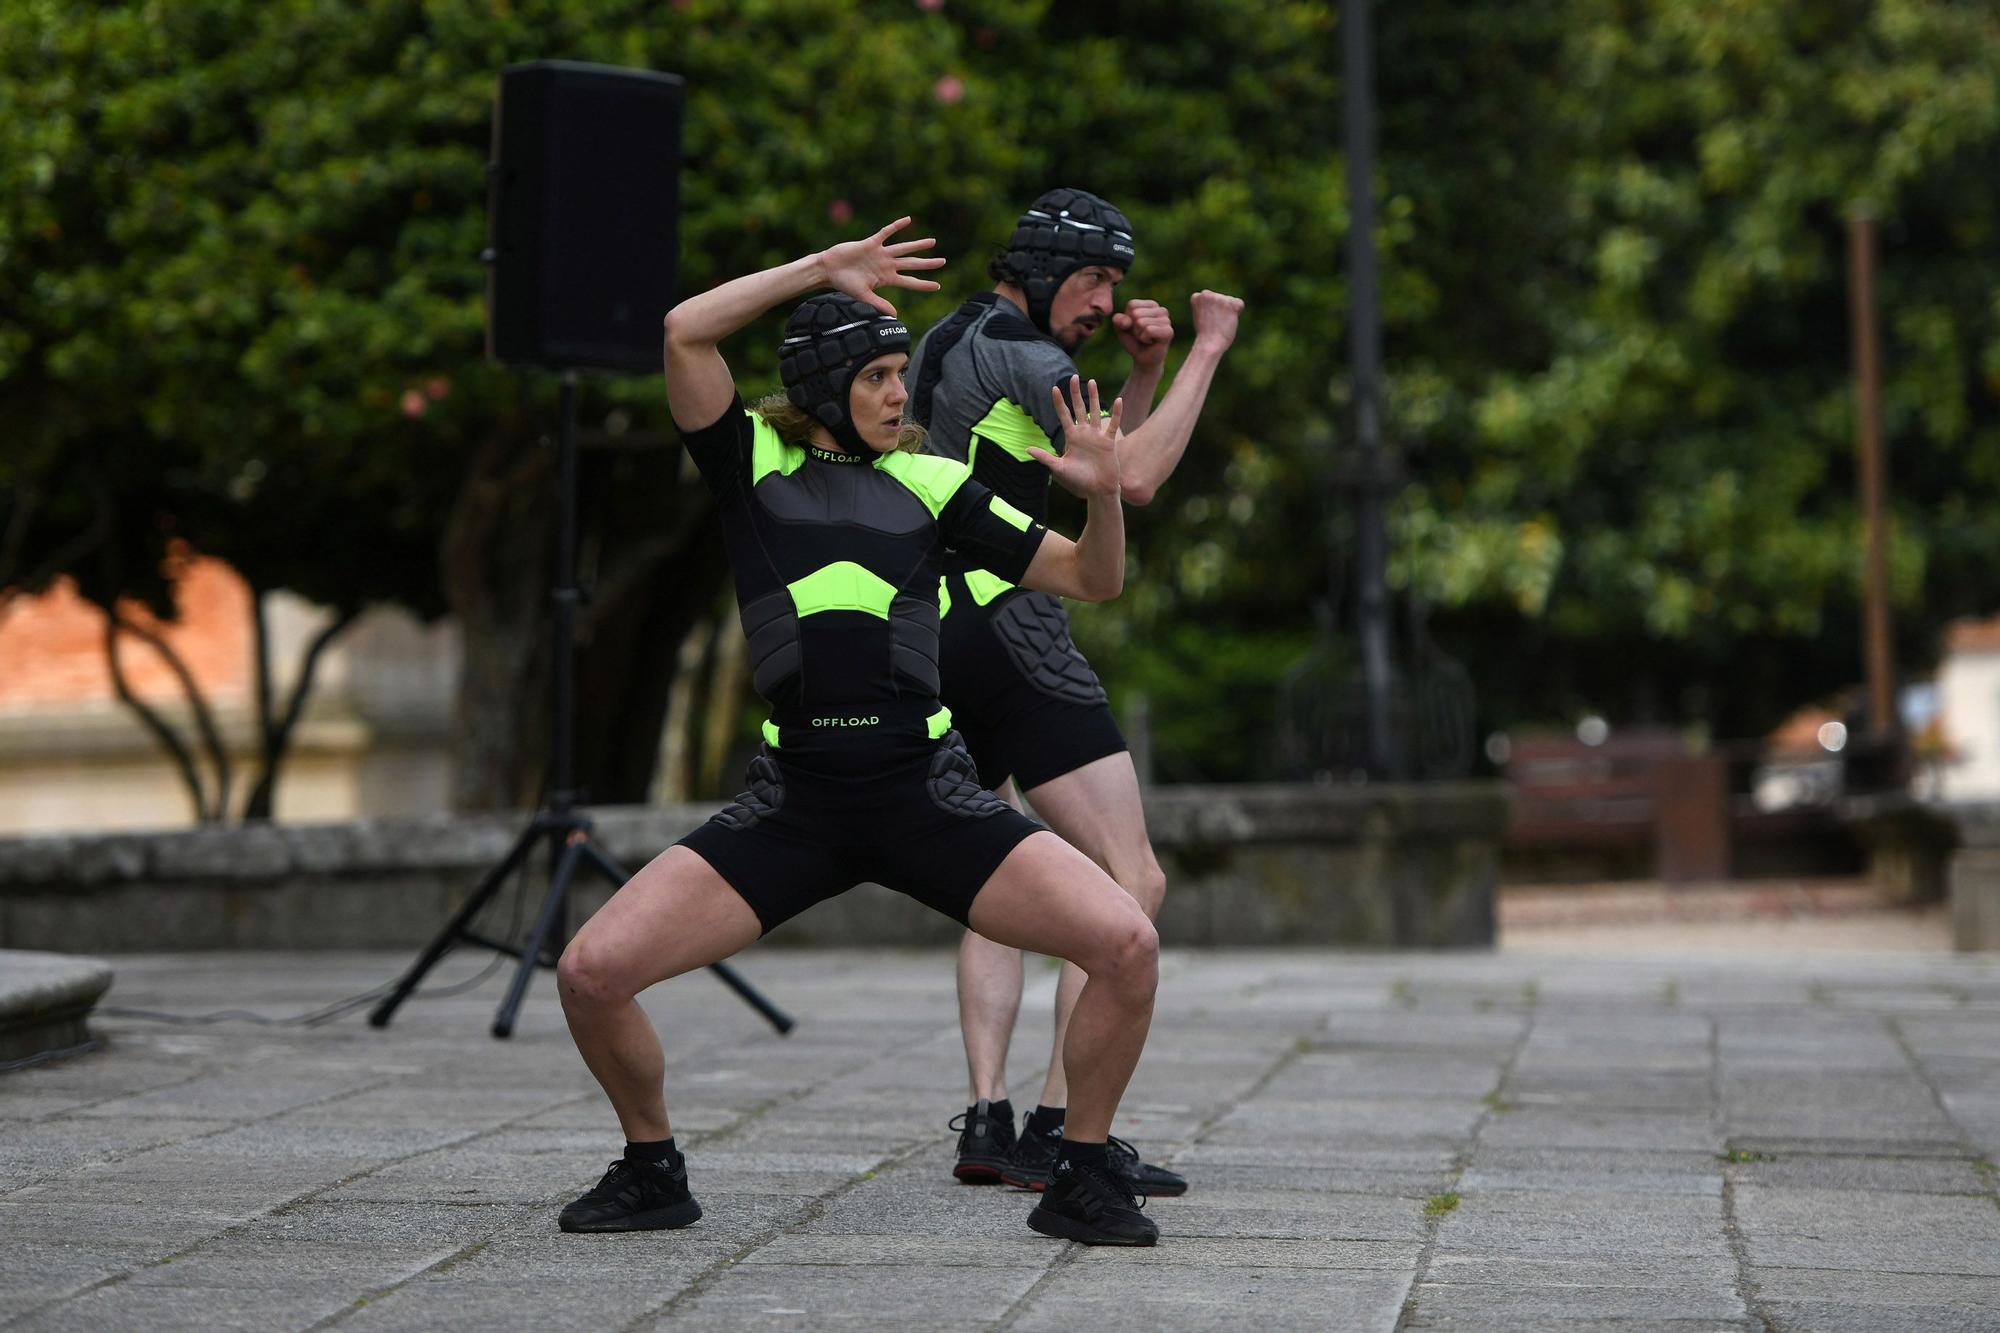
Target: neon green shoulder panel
931,479
842,586
769,453
1008,425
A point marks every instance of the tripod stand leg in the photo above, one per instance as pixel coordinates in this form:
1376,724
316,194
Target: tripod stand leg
380,1015
731,978
531,952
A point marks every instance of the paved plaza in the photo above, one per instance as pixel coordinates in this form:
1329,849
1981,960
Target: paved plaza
1375,1141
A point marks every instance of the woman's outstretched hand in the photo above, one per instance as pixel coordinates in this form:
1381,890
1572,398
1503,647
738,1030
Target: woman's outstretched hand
1088,465
857,268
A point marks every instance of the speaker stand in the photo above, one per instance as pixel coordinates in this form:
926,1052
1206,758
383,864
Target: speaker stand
566,830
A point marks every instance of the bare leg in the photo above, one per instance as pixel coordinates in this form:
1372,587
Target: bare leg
1049,897
675,915
989,1000
1096,809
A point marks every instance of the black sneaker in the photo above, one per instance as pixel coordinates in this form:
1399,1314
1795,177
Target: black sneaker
1143,1177
984,1141
1092,1206
634,1196
1027,1166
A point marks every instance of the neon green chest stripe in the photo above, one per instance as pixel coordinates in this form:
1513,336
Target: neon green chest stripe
769,453
842,586
1008,425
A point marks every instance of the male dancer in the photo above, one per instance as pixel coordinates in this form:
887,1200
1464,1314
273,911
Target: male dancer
1026,701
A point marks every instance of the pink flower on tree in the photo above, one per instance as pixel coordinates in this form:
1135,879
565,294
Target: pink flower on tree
414,403
930,6
950,90
841,212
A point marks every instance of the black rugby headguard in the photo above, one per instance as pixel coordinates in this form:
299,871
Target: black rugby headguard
827,339
1065,230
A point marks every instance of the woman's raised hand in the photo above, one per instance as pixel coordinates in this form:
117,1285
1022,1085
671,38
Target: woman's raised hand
1088,465
859,267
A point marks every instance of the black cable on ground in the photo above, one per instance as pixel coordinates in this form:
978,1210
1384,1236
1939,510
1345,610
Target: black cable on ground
43,1057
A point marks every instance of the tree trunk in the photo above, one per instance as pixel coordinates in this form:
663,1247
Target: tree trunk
495,561
626,670
650,562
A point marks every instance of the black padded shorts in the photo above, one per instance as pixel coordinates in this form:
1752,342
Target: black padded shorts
822,813
1024,698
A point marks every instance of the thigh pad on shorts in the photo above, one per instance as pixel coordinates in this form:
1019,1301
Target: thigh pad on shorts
764,794
954,783
1034,629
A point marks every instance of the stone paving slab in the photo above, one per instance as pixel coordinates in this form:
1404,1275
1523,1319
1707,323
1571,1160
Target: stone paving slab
1376,1142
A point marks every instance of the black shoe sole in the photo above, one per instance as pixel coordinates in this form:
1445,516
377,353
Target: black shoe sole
1024,1182
670,1218
973,1171
1158,1192
1064,1228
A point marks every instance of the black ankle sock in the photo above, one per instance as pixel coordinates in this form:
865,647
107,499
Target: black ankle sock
1047,1121
1001,1110
659,1150
1071,1155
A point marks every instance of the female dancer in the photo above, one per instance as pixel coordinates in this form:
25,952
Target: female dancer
836,531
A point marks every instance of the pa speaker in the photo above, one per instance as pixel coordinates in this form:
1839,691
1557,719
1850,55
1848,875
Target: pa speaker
583,207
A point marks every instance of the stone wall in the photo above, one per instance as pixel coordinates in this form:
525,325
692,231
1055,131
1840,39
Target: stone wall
1973,881
1406,866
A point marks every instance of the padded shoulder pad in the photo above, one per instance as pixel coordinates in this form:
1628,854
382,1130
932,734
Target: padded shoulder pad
1007,327
932,479
768,451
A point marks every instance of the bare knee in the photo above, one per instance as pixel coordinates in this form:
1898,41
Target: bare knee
1130,955
1147,884
586,979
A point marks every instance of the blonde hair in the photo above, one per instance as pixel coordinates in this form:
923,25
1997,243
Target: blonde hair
795,425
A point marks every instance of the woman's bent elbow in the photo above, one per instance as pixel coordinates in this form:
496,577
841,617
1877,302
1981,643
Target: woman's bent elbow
674,327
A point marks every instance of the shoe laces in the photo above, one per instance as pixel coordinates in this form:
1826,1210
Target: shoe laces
1110,1180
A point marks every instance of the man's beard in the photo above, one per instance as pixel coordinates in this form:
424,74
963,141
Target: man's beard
1077,334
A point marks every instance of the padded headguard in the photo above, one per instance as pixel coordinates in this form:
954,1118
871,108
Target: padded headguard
1065,230
827,339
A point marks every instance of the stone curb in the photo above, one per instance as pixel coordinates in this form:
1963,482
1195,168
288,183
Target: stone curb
45,999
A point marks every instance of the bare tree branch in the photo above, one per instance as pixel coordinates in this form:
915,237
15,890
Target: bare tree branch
276,739
169,739
203,718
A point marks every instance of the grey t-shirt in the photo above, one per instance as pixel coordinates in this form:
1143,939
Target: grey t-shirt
988,399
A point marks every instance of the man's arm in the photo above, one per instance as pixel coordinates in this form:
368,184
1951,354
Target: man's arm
1091,568
1145,331
699,387
1149,453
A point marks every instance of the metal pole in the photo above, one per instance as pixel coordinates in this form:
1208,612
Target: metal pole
1872,468
564,595
1364,336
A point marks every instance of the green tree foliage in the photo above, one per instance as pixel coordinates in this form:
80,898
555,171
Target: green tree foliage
239,305
1663,500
